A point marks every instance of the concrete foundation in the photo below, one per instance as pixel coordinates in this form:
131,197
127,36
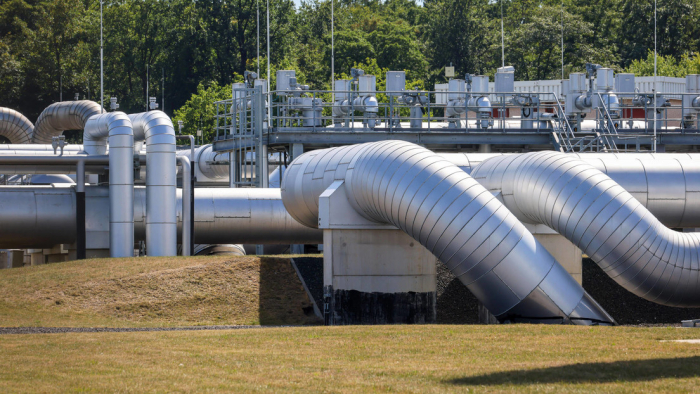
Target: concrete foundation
377,277
372,273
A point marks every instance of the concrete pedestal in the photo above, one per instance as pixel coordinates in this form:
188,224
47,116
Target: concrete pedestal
377,277
372,273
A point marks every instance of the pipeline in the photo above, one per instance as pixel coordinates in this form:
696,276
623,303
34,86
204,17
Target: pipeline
116,127
161,223
604,220
32,215
61,116
15,127
667,184
454,217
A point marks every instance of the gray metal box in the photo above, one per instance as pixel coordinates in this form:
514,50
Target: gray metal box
456,86
624,83
480,84
604,79
441,98
395,82
283,80
577,83
342,88
505,80
367,85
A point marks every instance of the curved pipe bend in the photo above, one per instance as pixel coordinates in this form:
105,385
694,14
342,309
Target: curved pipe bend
61,116
603,220
15,127
454,217
116,128
161,183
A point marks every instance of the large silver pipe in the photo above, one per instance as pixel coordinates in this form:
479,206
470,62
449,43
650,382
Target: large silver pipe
161,221
603,219
186,198
37,216
41,217
667,184
116,127
15,127
61,116
454,217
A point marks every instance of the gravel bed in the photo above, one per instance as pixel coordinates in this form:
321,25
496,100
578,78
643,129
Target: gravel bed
625,307
455,303
311,270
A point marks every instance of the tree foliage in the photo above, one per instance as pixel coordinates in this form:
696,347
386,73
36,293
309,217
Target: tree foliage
185,52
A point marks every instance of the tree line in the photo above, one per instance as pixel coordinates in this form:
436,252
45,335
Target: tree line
183,51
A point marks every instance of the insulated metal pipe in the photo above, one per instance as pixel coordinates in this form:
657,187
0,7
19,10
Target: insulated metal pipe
61,116
117,128
454,217
15,127
604,220
667,184
37,216
186,206
161,183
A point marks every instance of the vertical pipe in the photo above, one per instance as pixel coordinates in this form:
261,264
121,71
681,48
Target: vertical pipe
117,128
80,210
161,182
186,205
232,163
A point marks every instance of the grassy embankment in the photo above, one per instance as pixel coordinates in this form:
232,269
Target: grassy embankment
154,292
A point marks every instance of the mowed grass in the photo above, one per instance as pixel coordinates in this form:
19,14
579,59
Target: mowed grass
434,359
155,292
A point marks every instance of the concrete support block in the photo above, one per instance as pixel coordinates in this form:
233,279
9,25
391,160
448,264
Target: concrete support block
377,277
372,273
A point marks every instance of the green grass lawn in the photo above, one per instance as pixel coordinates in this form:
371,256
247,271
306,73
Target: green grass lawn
427,358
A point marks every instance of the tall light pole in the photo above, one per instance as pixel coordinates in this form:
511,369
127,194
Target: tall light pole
257,8
333,50
102,71
654,141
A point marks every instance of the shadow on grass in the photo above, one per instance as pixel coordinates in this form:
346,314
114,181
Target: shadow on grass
619,371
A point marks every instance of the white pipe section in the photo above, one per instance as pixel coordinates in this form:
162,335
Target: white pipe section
116,127
454,217
604,220
161,221
186,205
15,127
61,116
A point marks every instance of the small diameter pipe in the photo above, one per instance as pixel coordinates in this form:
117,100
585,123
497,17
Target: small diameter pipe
80,210
193,181
187,218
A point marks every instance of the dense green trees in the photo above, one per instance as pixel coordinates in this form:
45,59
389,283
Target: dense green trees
196,48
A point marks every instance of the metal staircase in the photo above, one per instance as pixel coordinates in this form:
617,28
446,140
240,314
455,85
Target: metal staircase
565,139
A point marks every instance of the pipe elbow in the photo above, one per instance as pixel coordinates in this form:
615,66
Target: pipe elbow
15,127
61,116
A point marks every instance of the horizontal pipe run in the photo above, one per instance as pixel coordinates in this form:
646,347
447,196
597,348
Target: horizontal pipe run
44,216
